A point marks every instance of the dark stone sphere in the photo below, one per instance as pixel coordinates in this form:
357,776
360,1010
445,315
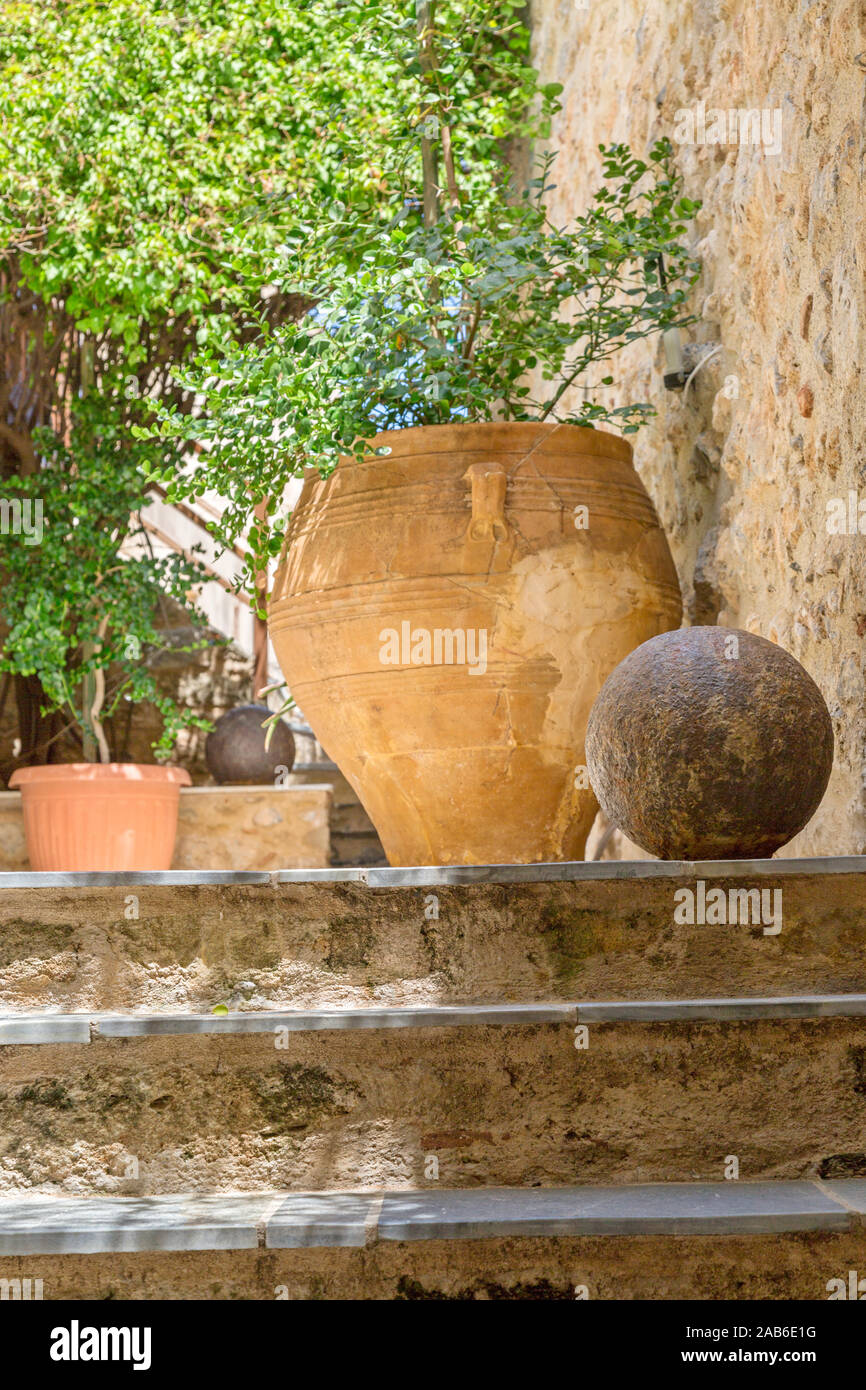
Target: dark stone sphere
235,749
709,743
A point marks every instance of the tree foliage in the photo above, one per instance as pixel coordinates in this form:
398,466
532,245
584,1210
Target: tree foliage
155,158
489,313
81,614
149,151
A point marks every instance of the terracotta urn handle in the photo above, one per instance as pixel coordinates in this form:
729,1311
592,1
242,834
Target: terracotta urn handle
489,482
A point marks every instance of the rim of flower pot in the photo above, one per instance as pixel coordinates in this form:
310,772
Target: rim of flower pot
98,772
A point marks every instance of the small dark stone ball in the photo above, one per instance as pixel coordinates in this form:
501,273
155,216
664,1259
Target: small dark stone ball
709,743
235,749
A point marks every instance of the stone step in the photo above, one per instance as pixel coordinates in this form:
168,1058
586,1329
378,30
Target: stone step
31,1028
39,1028
707,1241
434,1097
757,1249
291,1221
300,939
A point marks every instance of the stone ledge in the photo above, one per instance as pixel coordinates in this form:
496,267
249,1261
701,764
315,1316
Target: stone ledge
254,827
319,876
24,1029
806,1006
431,877
323,1020
246,789
152,878
308,1219
649,1209
44,1028
583,871
102,1225
35,1225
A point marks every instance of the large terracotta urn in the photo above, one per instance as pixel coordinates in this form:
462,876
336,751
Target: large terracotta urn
445,614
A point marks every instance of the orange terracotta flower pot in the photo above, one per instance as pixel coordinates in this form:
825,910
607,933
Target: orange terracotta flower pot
100,816
445,616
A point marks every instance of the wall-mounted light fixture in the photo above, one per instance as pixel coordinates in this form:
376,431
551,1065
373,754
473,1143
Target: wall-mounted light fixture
675,368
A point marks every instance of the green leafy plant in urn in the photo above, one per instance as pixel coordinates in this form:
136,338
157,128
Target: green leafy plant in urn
471,553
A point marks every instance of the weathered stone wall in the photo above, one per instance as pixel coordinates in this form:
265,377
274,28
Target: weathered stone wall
283,827
324,944
710,1268
500,1106
743,466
